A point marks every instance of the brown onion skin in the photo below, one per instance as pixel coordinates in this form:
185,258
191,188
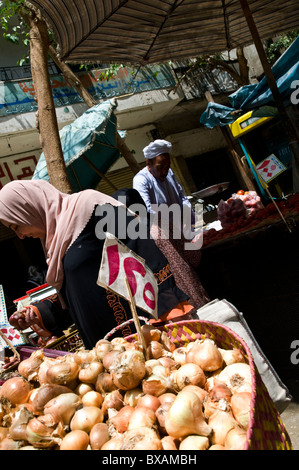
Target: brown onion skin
170,443
45,393
16,390
167,397
98,436
148,401
121,420
75,440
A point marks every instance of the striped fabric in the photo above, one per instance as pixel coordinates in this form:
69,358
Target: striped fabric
155,31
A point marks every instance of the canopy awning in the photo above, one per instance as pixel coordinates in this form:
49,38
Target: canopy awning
155,31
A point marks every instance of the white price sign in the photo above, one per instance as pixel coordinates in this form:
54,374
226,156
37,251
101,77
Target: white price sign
270,168
118,264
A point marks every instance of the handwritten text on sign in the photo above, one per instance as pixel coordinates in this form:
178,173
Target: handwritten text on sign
118,263
270,168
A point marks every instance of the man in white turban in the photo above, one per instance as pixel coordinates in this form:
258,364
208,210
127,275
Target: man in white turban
156,182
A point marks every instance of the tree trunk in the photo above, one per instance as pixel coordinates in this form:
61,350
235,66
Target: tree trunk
90,102
46,114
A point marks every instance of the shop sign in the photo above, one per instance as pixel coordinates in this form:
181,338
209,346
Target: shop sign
270,168
120,263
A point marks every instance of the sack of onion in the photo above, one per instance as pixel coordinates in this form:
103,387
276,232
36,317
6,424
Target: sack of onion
199,390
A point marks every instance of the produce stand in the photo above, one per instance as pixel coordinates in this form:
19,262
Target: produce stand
254,266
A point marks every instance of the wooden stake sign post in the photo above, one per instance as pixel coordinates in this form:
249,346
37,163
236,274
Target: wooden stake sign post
126,274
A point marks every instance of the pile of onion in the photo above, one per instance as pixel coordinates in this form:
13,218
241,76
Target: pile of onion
192,397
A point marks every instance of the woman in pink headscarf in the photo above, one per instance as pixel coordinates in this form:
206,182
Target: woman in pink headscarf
66,227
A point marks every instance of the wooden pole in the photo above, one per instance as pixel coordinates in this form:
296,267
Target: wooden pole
136,321
286,121
46,120
236,158
95,169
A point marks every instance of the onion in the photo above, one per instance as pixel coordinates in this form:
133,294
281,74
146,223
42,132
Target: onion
17,430
63,373
82,388
167,343
16,390
9,444
29,368
236,439
155,385
92,398
112,400
218,398
161,414
168,363
104,383
99,434
102,347
194,443
140,439
188,374
75,440
150,364
200,392
109,358
216,447
3,433
148,401
43,369
85,418
150,333
167,397
44,394
131,396
231,356
170,443
241,405
185,416
237,377
121,420
155,350
142,417
179,355
44,431
89,372
113,444
85,355
63,407
221,422
128,370
206,355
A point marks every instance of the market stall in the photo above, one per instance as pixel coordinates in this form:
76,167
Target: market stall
253,263
187,385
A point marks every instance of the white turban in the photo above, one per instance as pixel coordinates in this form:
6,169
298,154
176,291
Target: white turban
157,148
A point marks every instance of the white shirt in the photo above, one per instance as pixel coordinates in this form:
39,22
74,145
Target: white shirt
154,191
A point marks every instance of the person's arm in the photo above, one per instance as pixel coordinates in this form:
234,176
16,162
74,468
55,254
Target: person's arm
140,183
46,318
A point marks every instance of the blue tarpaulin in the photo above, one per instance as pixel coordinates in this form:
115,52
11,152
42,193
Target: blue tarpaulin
92,135
250,97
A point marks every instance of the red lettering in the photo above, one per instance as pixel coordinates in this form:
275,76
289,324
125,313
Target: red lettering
113,261
151,303
131,265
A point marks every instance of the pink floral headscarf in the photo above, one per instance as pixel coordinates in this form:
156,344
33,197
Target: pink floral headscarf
62,216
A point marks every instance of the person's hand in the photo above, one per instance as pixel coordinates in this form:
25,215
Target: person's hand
18,320
27,318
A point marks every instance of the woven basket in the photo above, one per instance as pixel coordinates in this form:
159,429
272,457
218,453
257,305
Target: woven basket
266,430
